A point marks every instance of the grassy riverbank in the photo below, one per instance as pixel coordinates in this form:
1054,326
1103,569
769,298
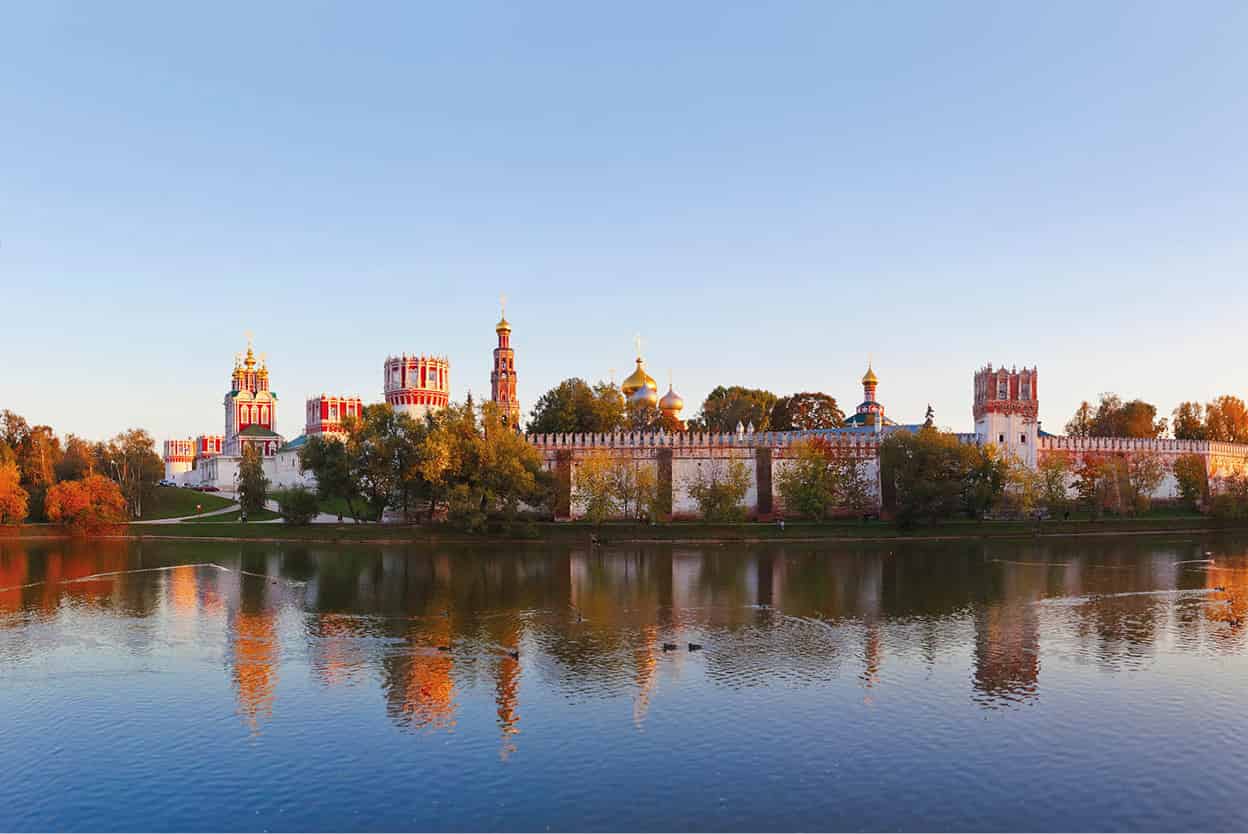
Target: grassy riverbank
574,532
578,533
175,502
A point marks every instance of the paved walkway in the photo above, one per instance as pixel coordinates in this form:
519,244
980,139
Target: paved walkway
319,518
233,508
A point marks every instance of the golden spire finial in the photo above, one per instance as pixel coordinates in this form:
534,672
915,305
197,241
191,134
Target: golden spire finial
637,341
502,322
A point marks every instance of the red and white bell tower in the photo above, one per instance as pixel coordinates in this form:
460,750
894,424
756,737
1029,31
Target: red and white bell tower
503,377
250,408
1007,411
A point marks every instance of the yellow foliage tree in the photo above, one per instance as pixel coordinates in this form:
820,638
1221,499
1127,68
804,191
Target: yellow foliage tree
85,505
13,499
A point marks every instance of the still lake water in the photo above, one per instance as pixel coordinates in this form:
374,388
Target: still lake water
1076,684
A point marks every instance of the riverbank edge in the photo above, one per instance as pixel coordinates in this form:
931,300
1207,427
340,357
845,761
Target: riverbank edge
679,534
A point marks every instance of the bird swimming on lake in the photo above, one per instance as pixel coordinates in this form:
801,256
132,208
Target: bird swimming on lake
514,654
695,647
444,648
669,647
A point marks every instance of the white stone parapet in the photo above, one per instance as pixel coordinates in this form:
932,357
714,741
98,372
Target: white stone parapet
1137,444
695,440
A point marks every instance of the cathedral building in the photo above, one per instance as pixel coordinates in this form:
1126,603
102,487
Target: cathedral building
251,409
640,390
503,377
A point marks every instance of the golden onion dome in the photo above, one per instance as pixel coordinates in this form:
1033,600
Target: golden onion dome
502,326
639,379
870,378
647,394
671,401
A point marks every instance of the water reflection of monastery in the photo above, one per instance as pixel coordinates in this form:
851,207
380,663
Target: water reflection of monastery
434,633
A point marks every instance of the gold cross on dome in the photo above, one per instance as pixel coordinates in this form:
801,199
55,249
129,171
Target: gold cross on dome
637,341
502,303
248,335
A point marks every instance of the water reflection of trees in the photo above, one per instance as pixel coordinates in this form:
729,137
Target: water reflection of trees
433,626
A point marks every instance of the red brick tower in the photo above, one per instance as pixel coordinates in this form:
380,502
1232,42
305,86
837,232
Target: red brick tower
503,377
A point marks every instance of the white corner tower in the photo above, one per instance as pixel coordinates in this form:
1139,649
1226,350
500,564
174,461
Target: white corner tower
1006,411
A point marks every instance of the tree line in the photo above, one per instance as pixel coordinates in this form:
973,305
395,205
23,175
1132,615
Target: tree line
72,480
1223,419
576,406
929,477
462,462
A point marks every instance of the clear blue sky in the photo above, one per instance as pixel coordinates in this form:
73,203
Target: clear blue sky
767,192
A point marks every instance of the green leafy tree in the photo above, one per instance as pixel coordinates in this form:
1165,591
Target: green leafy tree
131,460
719,488
482,471
298,505
1231,500
593,488
934,477
1192,478
511,473
450,459
642,416
724,408
1022,488
1055,471
634,486
804,411
817,477
326,459
1080,425
374,444
573,406
1144,472
253,486
1188,422
807,481
1115,418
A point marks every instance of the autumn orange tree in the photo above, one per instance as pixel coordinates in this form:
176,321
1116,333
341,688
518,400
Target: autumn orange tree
13,499
86,505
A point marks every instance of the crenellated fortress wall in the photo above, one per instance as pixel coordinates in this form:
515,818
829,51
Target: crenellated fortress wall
675,459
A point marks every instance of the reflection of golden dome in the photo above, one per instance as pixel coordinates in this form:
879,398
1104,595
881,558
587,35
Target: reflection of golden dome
639,379
671,401
870,378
